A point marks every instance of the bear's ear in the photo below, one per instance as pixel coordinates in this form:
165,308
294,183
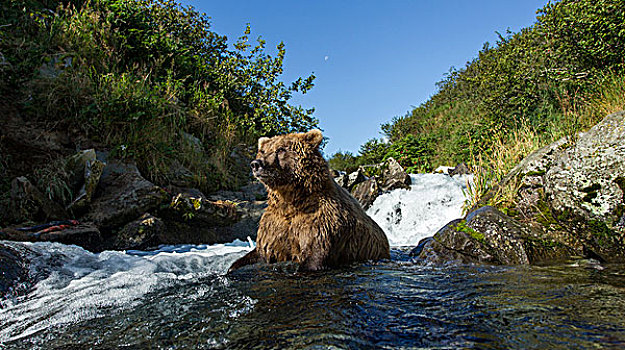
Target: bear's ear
313,137
262,141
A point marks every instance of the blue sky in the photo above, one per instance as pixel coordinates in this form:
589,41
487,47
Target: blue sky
374,60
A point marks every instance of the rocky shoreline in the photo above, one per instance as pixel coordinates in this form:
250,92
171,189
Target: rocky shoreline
569,203
117,208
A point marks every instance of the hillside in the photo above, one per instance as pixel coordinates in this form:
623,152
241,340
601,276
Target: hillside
551,80
144,81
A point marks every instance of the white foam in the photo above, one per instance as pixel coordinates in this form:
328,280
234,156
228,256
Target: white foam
82,285
407,216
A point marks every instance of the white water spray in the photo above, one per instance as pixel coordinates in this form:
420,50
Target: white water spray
82,285
408,216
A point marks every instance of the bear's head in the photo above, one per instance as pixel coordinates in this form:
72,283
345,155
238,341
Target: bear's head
291,162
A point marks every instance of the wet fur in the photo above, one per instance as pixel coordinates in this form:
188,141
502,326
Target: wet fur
309,219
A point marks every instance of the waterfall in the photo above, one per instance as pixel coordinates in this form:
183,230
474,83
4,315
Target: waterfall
407,216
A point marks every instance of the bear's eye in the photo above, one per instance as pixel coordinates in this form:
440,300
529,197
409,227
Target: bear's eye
281,150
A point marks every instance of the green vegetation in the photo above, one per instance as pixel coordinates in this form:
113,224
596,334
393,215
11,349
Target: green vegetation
548,81
147,80
462,227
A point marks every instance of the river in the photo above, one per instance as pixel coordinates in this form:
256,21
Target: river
179,297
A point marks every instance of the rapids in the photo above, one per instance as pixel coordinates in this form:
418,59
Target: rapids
178,297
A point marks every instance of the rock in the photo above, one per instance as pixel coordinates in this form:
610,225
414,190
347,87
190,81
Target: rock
247,226
354,179
348,181
393,176
193,142
123,195
85,235
460,169
85,171
341,180
366,192
572,195
188,206
14,279
30,203
250,203
192,218
489,236
384,177
179,175
588,179
144,233
253,191
75,167
449,246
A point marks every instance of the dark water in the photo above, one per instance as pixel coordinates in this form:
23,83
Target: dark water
387,305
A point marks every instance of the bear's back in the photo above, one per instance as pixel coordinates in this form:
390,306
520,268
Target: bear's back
331,224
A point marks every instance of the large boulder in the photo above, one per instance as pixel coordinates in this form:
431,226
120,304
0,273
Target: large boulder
123,195
348,181
368,182
250,203
366,192
567,199
29,202
488,236
588,179
147,232
191,217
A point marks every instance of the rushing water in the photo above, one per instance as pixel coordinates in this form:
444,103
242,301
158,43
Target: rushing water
179,298
407,216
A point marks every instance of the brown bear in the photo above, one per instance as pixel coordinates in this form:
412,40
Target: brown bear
309,219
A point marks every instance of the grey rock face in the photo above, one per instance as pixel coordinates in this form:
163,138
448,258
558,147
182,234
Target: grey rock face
144,233
393,176
366,192
487,236
587,178
123,195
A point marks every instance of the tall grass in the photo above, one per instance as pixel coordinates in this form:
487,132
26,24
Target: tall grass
578,113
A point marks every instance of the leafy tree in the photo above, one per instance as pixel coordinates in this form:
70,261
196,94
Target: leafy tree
373,151
344,161
142,77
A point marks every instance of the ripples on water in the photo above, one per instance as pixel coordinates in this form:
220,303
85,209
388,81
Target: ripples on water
179,298
390,305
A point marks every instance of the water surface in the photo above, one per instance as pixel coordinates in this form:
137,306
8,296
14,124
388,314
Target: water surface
393,304
180,298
